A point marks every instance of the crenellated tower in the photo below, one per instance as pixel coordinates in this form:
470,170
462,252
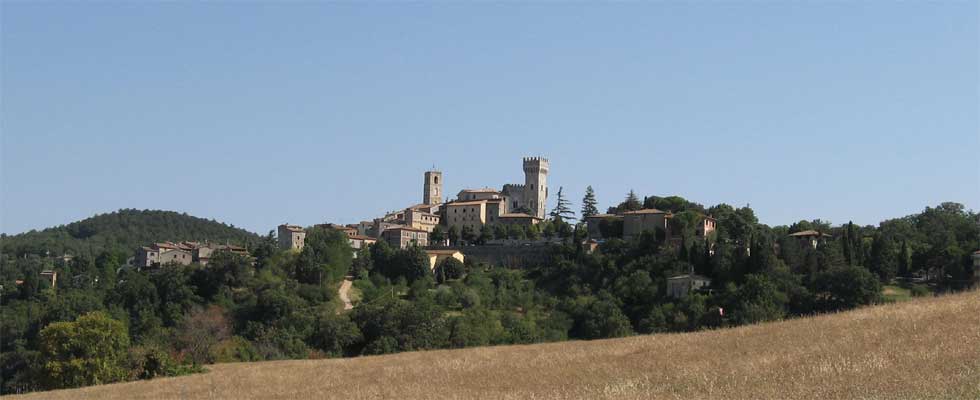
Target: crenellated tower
536,185
432,192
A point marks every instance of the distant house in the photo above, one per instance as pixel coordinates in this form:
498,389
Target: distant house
183,253
646,220
809,238
599,223
202,252
291,237
436,257
51,277
358,242
164,253
404,236
519,219
679,286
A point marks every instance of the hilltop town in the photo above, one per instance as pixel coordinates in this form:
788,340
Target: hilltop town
481,267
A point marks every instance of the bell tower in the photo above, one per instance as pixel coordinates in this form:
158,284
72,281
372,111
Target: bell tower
432,191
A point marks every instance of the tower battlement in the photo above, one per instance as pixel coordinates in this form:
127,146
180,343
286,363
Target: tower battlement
534,164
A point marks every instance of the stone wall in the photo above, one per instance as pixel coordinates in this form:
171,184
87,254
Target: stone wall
503,256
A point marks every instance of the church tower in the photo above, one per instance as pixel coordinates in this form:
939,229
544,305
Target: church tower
536,185
432,192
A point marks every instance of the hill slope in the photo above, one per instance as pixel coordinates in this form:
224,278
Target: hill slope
927,348
122,231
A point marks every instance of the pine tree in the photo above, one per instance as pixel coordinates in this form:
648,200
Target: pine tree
562,210
589,203
632,202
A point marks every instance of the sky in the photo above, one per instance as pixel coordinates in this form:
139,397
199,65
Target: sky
262,113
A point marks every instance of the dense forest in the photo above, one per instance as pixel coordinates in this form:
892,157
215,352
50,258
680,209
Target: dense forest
130,324
120,233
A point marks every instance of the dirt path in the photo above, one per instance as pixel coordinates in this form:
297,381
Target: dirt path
344,293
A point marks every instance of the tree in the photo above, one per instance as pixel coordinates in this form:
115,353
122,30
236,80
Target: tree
562,210
89,351
631,203
486,234
589,203
453,235
438,235
326,256
758,300
451,268
845,287
884,258
201,331
336,333
468,234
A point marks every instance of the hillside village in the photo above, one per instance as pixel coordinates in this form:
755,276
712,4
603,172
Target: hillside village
481,267
496,220
497,227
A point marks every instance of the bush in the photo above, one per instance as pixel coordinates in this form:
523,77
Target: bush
89,351
148,362
234,349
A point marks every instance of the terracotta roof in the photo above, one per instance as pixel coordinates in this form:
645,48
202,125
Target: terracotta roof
605,216
646,211
405,228
481,190
467,203
519,215
362,237
808,233
694,276
442,251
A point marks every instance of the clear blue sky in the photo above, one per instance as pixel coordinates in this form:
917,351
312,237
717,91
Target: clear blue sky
258,114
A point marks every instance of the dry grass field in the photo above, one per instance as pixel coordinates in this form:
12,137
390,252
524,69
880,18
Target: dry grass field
920,349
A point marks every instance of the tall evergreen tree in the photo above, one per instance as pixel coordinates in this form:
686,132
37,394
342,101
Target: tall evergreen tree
562,210
589,203
632,202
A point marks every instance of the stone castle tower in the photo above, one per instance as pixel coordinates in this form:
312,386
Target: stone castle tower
536,185
432,192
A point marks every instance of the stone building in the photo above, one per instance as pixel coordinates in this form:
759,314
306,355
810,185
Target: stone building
358,242
650,219
705,227
599,223
809,238
291,237
404,236
679,286
416,218
477,194
472,214
183,253
51,277
519,219
201,252
437,256
163,253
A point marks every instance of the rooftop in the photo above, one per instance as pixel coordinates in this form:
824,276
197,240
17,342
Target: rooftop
691,276
448,251
808,233
480,190
518,215
467,203
605,216
646,211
